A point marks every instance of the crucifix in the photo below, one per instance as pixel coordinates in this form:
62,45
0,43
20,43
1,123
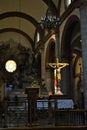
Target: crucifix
57,75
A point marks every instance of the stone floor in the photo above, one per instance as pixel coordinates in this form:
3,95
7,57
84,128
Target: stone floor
48,128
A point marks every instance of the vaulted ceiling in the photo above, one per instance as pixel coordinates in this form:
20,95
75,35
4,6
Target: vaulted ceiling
22,17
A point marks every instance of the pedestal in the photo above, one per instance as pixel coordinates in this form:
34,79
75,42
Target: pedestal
33,94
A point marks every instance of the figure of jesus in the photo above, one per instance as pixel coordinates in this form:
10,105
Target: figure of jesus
59,70
58,66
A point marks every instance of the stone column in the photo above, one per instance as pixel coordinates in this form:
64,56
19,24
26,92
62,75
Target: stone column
42,64
57,45
83,19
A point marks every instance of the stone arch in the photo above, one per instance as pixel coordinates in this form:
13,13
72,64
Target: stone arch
26,17
71,47
72,27
21,15
20,32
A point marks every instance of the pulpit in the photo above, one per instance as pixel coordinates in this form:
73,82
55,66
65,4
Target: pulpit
33,94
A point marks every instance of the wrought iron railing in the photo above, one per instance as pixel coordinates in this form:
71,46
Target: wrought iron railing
72,117
16,115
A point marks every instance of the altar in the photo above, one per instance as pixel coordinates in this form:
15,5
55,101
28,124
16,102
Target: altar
61,102
65,104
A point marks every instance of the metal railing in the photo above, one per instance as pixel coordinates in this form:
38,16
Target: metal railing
72,117
16,115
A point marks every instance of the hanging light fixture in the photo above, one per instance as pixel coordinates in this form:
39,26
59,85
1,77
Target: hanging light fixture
50,21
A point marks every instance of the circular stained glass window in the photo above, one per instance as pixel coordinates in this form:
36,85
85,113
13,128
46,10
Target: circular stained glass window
10,65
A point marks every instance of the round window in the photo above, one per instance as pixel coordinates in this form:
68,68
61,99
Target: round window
10,65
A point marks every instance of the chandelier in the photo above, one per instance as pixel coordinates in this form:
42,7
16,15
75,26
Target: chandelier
50,21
